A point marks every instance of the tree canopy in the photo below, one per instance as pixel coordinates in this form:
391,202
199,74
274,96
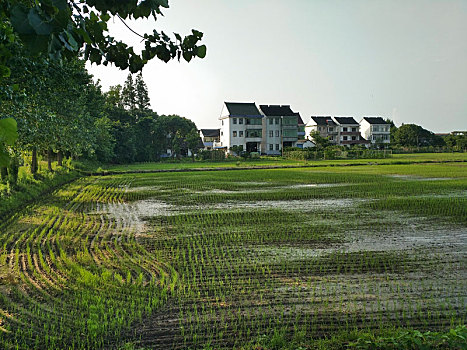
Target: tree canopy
63,28
415,135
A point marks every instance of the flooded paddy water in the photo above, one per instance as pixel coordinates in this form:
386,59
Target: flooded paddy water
177,261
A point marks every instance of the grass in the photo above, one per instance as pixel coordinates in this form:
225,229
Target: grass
246,259
271,161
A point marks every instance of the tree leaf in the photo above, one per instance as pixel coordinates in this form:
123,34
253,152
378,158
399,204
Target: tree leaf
8,131
36,43
162,3
19,20
40,26
60,4
4,157
201,51
4,71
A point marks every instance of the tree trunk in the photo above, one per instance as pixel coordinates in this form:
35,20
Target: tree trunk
34,161
59,158
13,170
4,174
49,159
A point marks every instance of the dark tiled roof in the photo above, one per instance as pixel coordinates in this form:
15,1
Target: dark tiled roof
323,120
210,132
242,109
375,120
346,120
299,119
276,110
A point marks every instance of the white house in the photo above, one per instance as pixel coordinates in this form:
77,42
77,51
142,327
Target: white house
241,125
210,137
326,127
348,131
376,130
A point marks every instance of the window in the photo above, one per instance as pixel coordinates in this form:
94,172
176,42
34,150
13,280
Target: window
277,147
222,133
240,120
234,134
331,138
253,121
278,121
289,121
271,121
354,129
254,133
344,129
344,138
354,138
271,133
235,120
330,129
277,133
271,146
240,133
222,122
290,133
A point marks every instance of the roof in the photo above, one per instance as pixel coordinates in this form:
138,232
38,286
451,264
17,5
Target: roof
276,110
299,119
210,132
346,120
327,120
375,120
242,109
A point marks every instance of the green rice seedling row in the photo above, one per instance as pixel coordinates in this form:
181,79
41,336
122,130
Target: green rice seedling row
222,259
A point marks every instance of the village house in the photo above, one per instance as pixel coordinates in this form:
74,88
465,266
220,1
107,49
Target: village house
241,126
376,130
210,138
267,130
349,132
326,127
280,128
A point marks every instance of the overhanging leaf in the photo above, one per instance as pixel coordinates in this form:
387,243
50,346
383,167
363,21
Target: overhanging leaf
4,157
201,51
8,131
19,20
39,25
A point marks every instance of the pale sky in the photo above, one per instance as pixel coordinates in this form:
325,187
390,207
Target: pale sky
406,60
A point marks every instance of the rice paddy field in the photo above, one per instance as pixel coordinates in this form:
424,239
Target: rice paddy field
233,259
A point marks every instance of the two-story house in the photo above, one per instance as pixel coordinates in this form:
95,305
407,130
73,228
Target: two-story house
376,130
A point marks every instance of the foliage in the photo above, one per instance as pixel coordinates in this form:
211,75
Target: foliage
142,96
8,136
455,338
61,29
456,142
320,141
211,155
415,135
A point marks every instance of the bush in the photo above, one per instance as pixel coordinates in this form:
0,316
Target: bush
211,155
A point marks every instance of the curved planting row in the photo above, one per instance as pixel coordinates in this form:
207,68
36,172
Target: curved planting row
193,260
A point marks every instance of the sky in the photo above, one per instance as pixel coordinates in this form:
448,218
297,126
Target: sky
405,60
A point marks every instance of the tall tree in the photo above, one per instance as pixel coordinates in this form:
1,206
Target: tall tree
142,96
129,94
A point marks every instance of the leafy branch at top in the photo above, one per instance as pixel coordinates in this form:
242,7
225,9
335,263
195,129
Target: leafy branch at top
61,28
